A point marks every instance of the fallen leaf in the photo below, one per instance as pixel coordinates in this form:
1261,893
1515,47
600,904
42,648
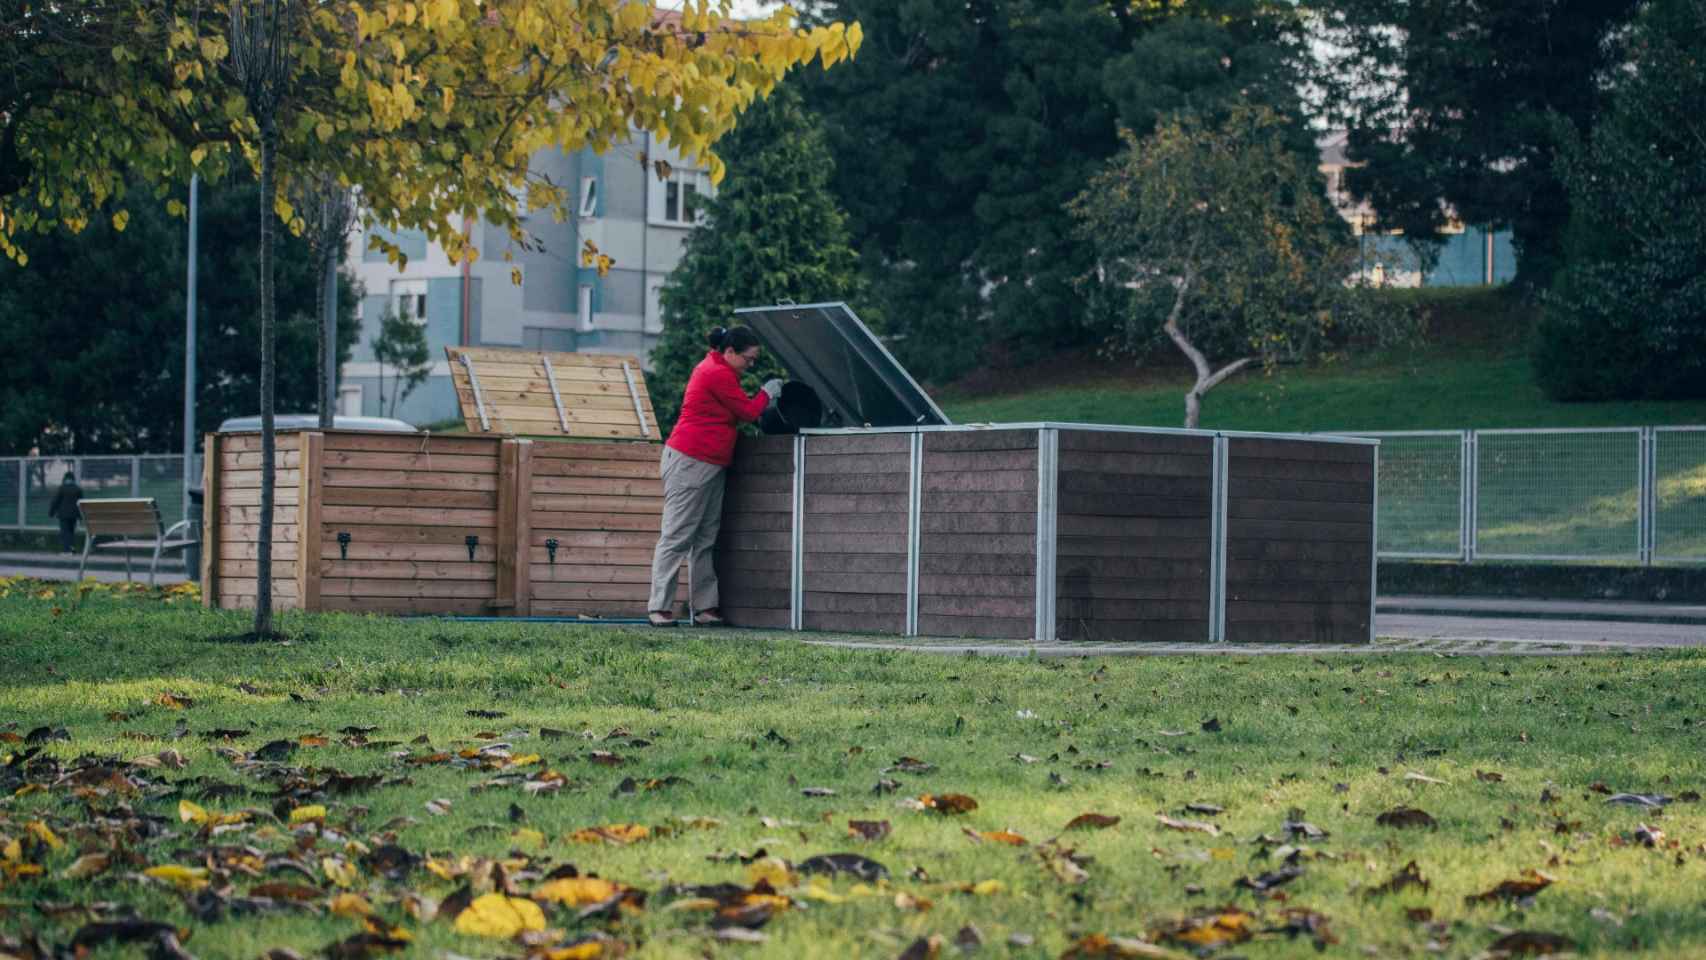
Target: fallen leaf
852,864
1409,876
184,878
87,865
1531,883
948,803
1209,928
500,916
1188,826
304,814
576,891
1639,799
924,948
868,829
1424,778
1405,817
1269,880
1531,942
1103,945
1300,921
618,833
1488,776
1211,725
817,792
997,836
1092,821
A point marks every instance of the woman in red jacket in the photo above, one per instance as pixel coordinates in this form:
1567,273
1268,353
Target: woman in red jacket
694,462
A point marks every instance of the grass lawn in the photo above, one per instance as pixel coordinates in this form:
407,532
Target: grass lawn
713,741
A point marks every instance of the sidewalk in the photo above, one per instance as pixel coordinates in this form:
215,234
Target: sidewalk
1607,611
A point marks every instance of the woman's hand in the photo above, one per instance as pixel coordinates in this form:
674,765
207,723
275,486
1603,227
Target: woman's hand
774,388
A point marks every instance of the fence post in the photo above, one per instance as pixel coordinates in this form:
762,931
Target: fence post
309,494
136,476
22,476
1646,512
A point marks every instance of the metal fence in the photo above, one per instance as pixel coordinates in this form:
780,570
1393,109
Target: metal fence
27,484
1618,494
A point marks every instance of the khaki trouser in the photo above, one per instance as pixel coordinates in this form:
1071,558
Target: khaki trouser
692,514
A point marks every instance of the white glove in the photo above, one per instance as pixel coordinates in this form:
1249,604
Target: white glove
774,388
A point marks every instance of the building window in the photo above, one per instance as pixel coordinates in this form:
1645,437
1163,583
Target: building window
349,400
585,306
589,197
676,198
409,299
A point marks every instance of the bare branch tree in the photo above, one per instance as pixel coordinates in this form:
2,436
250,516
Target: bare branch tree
328,210
261,33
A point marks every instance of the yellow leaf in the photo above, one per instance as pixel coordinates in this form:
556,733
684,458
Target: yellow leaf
527,835
576,891
324,130
623,833
351,905
515,275
339,871
120,220
87,865
984,888
313,811
773,870
45,834
184,878
495,915
190,813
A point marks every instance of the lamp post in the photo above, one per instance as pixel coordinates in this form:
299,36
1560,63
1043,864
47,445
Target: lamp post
189,357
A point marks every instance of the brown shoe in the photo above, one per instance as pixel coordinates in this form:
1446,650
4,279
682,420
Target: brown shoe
661,618
708,618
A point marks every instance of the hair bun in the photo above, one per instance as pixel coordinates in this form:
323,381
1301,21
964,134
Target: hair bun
718,335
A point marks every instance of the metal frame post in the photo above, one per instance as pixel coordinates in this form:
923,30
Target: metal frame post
136,476
1048,496
23,502
1374,554
1472,516
914,530
796,565
1218,488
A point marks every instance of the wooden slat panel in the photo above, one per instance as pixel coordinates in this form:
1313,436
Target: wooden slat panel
856,483
407,606
561,572
1072,441
1327,551
580,503
572,449
853,622
564,467
594,609
424,516
1313,531
406,569
508,507
283,587
250,479
1239,488
1335,471
251,497
1307,510
1301,591
572,540
443,462
362,442
974,606
991,628
230,532
1301,448
754,549
560,590
992,480
521,537
444,589
537,555
249,550
979,440
281,515
379,497
597,486
516,393
211,531
858,445
308,574
1133,631
282,460
935,522
556,520
408,480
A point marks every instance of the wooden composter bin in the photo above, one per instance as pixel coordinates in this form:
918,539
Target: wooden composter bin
1053,532
478,525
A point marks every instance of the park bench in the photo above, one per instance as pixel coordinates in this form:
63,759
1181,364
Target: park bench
136,521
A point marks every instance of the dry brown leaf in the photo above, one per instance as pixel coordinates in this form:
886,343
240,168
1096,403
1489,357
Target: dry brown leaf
1530,883
1188,826
1525,943
1405,817
868,829
1103,945
1210,928
1092,821
948,803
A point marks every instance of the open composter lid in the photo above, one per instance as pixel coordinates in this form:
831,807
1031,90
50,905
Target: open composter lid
859,381
533,393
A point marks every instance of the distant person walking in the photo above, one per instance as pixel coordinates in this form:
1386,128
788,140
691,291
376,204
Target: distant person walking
64,508
695,460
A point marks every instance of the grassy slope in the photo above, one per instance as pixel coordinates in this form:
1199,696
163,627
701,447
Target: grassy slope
1331,738
1473,373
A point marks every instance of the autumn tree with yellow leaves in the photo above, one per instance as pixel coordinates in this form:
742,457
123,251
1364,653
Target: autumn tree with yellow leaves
432,110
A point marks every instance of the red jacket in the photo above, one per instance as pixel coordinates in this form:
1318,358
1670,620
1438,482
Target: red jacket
713,404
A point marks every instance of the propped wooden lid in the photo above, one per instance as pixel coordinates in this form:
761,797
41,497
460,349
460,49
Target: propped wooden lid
533,393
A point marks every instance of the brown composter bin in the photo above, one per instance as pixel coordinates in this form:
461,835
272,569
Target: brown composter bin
1053,531
560,525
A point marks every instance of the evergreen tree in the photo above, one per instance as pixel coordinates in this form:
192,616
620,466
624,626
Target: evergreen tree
964,128
1627,316
1451,101
772,232
97,323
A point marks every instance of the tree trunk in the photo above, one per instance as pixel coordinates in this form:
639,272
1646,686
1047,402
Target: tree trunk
263,555
1206,379
326,364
